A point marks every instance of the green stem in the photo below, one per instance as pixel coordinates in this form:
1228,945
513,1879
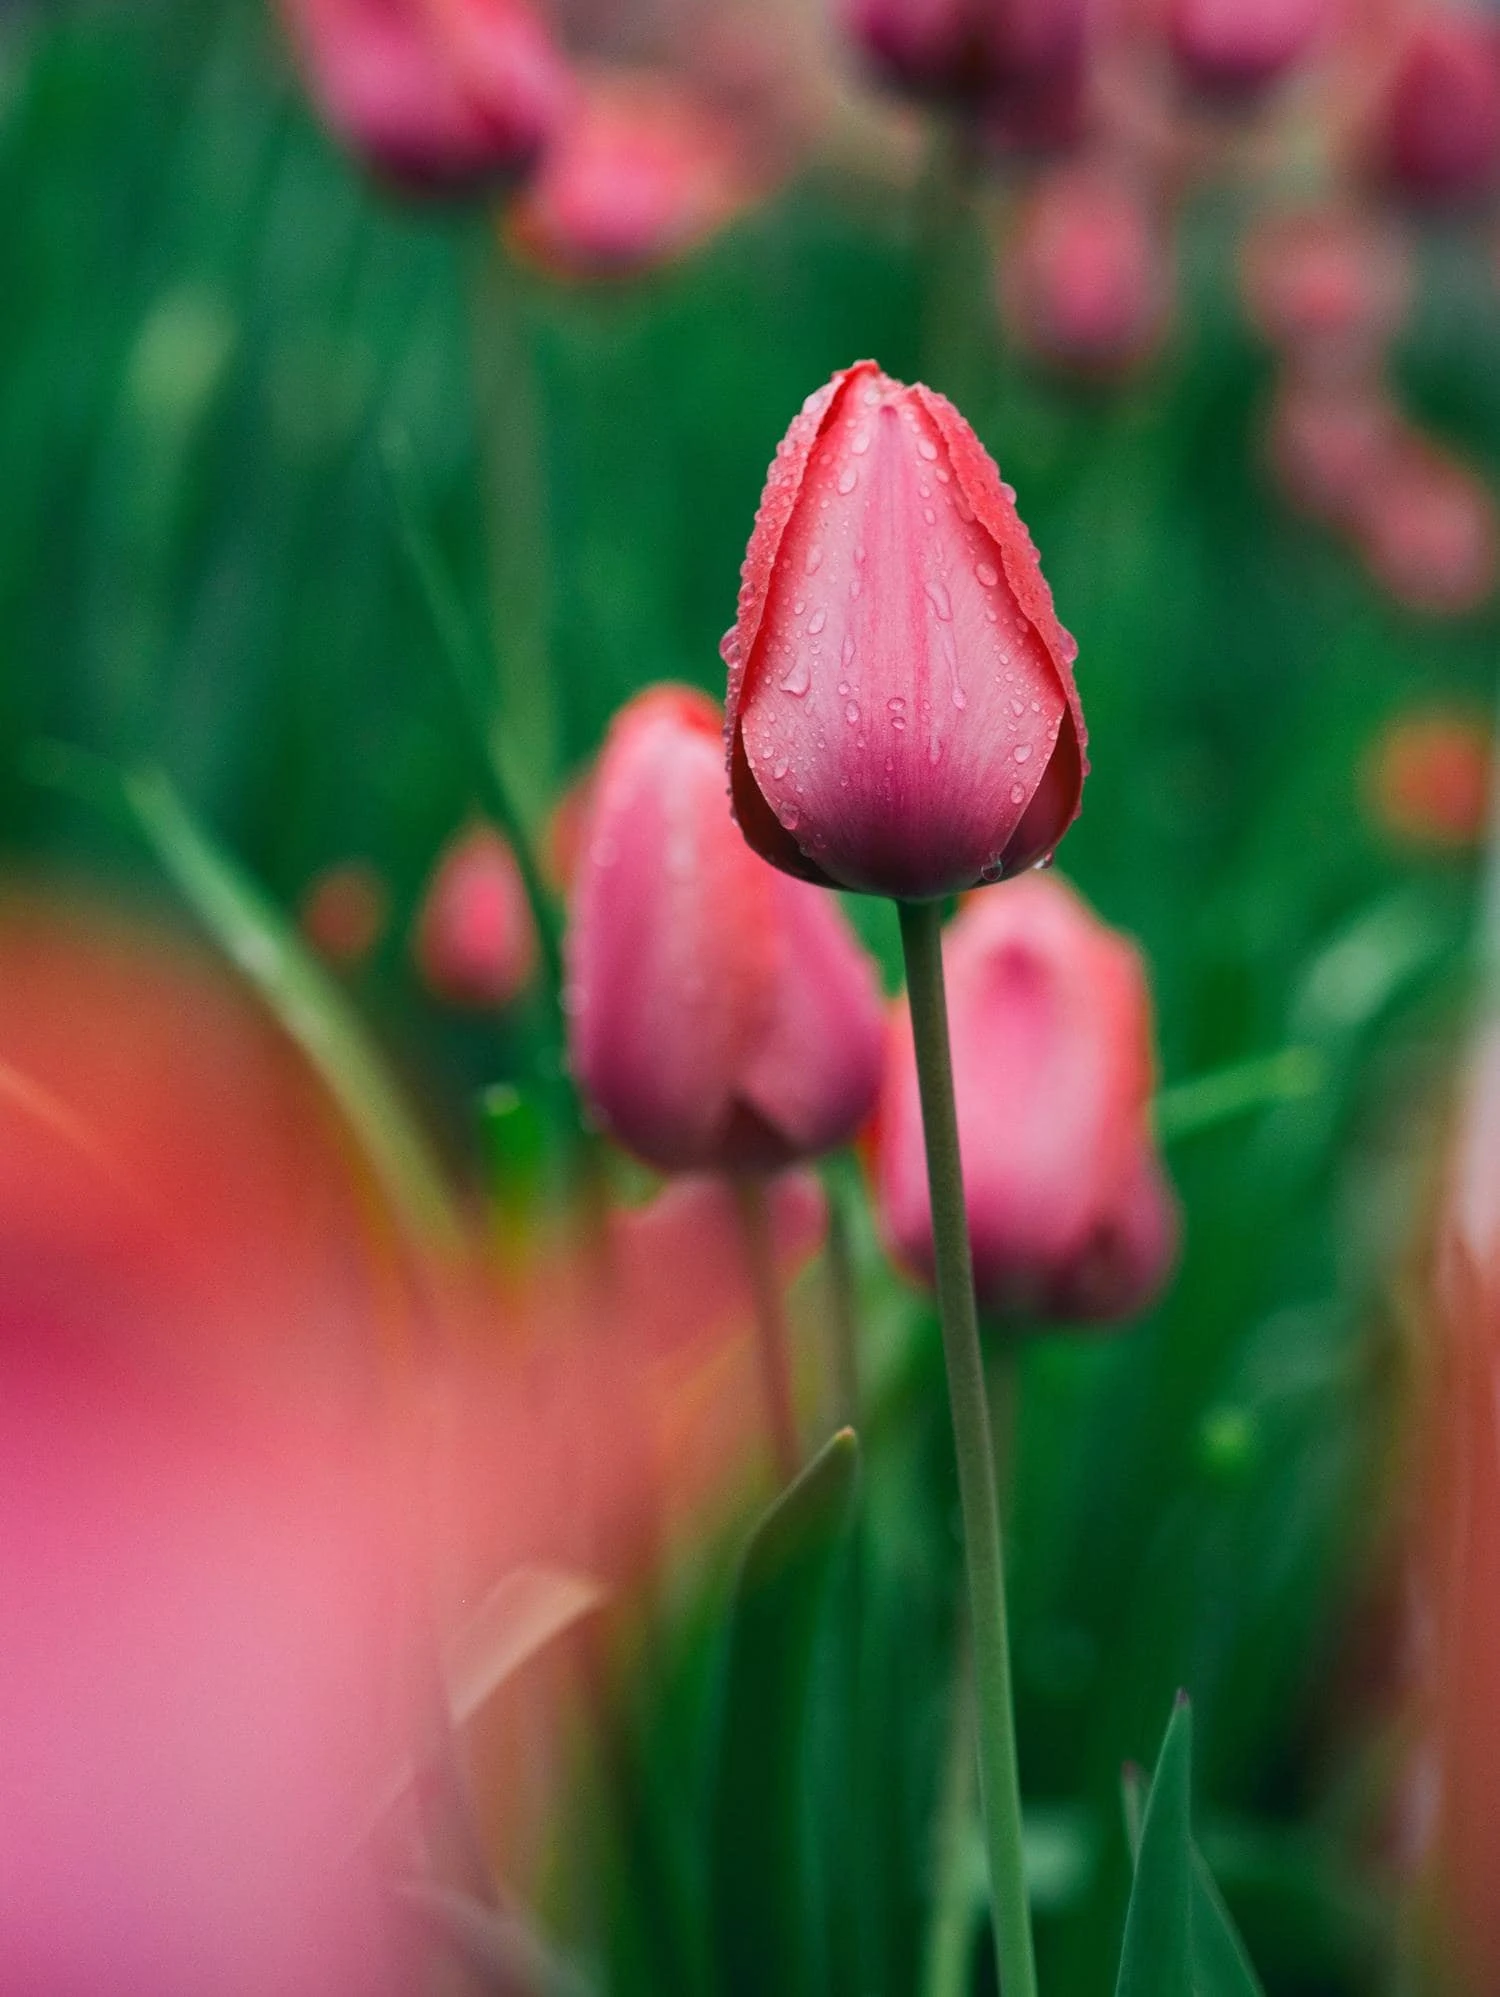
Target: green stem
843,1314
999,1778
773,1346
955,1907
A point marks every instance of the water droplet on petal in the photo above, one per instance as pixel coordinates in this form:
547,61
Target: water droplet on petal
1018,793
860,443
799,606
816,622
987,575
942,603
960,698
848,479
927,449
1022,752
798,678
780,770
851,713
814,560
847,651
789,816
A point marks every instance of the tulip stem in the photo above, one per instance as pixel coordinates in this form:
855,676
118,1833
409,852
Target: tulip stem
773,1345
999,1778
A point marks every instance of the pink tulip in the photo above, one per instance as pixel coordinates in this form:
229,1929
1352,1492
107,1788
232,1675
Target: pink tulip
721,1016
1439,124
640,174
1328,441
968,49
1326,286
1050,1019
436,95
1429,530
902,717
1084,281
1231,47
476,942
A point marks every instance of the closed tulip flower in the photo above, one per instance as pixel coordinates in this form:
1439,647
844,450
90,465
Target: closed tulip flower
476,942
439,96
1233,47
641,173
902,718
1084,283
721,1016
1429,530
1439,125
1050,1015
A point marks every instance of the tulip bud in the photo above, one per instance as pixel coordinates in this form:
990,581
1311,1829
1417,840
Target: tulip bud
1429,532
1230,48
1428,780
721,1016
640,174
1084,282
476,941
1050,1020
902,718
1439,125
968,50
1328,441
343,913
1328,288
435,95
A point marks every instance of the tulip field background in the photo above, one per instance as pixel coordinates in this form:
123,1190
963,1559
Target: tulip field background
236,377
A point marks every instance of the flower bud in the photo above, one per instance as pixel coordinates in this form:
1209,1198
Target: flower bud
1084,282
1327,287
1328,440
1429,778
476,941
1439,124
640,174
343,913
1428,529
968,50
1230,48
435,95
1050,1020
721,1016
902,718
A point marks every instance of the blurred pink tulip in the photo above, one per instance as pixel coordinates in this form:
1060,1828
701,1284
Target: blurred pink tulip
1438,125
1429,530
343,914
721,1016
1328,441
1232,47
641,173
968,49
902,716
1328,287
1429,777
436,95
1050,1018
475,942
1084,281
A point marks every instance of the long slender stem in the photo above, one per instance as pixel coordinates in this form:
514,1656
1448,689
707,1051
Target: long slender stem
999,1778
843,1327
773,1346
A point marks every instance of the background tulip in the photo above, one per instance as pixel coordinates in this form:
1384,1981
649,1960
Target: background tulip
1428,779
438,95
476,942
344,911
1050,1017
1439,123
902,717
720,1015
1232,46
968,49
1084,282
640,173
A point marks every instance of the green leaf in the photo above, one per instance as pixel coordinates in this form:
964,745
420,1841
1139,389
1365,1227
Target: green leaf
1157,1957
758,1873
1220,1966
309,1005
499,1949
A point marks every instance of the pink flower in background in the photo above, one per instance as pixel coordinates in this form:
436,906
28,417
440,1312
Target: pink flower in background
475,941
1328,287
902,717
1429,777
1429,532
968,49
641,173
1084,281
1437,135
1050,1016
436,95
721,1016
1329,440
1230,47
344,912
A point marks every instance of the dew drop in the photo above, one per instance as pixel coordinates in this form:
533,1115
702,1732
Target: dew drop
780,770
816,622
960,698
927,449
896,704
942,603
1018,793
860,443
929,516
799,606
789,816
798,678
851,713
1017,706
987,575
848,479
1022,752
814,560
847,651
941,476
898,722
